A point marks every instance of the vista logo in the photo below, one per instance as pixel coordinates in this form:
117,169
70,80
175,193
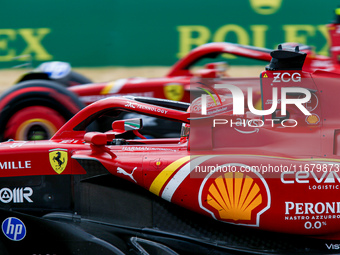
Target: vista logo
14,229
333,246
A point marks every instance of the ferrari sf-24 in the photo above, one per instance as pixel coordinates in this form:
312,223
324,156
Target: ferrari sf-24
229,184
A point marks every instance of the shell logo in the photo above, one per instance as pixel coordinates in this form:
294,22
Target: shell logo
235,197
313,119
265,7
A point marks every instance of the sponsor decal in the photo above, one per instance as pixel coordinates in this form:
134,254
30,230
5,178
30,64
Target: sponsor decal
182,173
144,148
235,197
58,159
131,105
174,91
70,141
157,163
14,229
17,144
315,214
313,209
163,176
15,165
17,195
122,171
314,180
333,246
145,107
312,119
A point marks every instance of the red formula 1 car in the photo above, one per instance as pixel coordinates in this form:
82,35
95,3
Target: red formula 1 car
35,109
227,185
38,106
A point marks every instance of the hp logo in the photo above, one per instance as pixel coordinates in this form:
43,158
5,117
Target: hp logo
14,229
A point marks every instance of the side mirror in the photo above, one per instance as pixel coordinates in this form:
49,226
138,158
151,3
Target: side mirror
121,126
97,141
95,138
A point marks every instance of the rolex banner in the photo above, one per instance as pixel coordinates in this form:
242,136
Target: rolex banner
138,33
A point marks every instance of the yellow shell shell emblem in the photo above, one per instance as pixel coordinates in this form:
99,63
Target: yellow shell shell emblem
234,198
313,119
58,159
174,91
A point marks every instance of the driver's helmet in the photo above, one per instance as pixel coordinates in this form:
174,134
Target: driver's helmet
214,107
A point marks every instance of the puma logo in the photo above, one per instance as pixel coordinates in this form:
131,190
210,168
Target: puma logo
122,171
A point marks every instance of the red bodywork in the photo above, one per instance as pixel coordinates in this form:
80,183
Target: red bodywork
295,188
176,84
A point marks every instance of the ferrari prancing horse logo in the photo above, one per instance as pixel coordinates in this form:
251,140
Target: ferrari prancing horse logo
58,159
174,91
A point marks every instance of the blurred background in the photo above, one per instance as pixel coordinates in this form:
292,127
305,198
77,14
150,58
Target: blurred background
117,33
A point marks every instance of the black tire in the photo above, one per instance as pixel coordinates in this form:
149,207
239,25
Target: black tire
78,78
73,78
55,99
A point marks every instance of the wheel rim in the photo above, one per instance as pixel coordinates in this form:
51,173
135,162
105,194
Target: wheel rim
35,129
33,123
